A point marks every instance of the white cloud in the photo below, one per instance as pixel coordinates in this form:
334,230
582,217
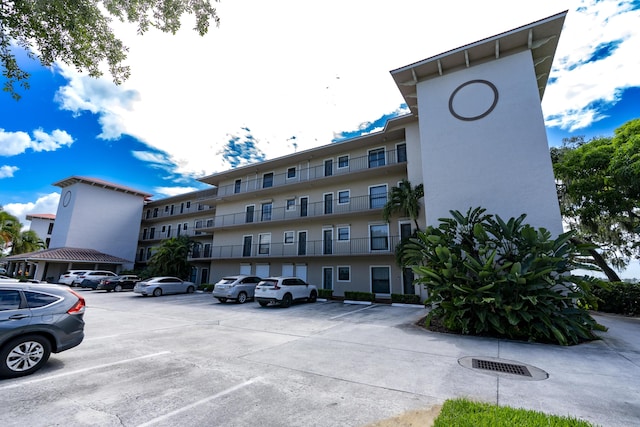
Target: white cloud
582,90
7,171
44,204
14,143
322,69
173,191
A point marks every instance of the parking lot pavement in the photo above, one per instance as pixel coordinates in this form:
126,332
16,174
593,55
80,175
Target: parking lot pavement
188,360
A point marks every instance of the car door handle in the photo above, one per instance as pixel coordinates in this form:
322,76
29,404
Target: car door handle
18,316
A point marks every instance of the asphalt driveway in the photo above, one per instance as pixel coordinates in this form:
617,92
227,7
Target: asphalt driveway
188,360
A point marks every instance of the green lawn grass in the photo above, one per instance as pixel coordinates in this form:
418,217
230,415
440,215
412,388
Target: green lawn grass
465,413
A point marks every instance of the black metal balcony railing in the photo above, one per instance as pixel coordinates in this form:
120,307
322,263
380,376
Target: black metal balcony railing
158,235
355,164
360,246
315,209
150,214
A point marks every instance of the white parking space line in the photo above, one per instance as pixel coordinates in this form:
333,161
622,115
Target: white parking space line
79,371
351,312
199,402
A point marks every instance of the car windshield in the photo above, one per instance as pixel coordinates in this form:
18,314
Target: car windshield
228,280
269,282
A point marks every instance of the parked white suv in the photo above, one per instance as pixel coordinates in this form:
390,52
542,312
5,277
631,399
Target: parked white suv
284,290
68,277
93,275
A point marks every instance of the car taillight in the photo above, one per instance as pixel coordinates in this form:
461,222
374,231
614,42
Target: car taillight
78,307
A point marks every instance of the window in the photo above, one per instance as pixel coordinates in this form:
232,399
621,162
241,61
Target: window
155,212
266,212
343,162
152,233
9,299
376,158
246,245
200,207
379,235
405,230
343,197
164,228
291,204
344,273
166,209
328,167
380,280
401,153
184,226
302,243
267,180
168,231
264,244
171,210
148,214
149,253
144,234
328,203
343,233
182,207
327,241
288,237
236,186
291,173
377,196
207,250
50,228
188,205
304,205
141,254
248,216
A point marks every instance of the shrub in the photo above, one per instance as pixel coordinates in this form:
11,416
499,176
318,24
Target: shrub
405,299
359,296
325,293
206,287
507,279
620,298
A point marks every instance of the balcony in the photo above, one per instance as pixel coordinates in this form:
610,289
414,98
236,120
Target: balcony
364,164
177,213
356,204
312,248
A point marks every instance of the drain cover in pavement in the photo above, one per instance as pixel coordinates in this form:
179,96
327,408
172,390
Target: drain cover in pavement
503,368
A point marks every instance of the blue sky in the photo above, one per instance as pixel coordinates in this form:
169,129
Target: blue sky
265,84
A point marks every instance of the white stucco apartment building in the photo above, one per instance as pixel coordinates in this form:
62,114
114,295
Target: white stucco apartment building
475,136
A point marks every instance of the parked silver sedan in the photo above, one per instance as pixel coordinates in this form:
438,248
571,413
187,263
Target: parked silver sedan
158,286
239,288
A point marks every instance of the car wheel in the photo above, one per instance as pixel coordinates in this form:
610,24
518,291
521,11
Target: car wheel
286,301
157,292
263,303
242,297
24,355
313,297
118,288
191,290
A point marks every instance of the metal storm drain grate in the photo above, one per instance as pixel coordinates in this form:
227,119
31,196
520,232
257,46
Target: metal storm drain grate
503,368
506,368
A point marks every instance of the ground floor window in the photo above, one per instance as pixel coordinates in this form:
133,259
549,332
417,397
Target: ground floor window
381,280
344,273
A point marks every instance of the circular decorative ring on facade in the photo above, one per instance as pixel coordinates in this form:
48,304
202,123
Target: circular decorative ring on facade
66,199
478,116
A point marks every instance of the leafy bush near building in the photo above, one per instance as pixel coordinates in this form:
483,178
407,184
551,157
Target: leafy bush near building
620,298
359,296
507,279
405,299
325,293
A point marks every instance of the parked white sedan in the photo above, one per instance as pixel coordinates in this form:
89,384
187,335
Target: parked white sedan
158,286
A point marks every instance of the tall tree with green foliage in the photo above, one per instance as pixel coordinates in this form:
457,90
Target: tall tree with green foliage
78,32
404,200
599,190
9,228
171,258
27,241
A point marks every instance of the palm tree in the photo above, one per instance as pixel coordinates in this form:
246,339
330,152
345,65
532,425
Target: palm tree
27,241
9,228
404,200
171,258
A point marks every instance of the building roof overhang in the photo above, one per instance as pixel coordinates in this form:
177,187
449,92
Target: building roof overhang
540,37
99,183
67,255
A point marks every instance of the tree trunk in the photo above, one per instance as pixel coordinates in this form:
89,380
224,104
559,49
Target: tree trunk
600,262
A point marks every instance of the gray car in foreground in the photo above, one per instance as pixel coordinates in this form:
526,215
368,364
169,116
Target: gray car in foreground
35,321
